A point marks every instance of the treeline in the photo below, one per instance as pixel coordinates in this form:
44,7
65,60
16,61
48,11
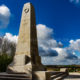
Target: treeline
71,68
7,47
63,66
7,52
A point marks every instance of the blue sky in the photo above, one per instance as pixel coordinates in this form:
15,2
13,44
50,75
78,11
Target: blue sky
60,16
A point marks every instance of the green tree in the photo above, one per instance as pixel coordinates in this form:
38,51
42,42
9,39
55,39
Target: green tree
5,60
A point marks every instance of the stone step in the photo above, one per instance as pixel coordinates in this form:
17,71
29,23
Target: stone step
5,76
14,75
13,78
56,75
61,77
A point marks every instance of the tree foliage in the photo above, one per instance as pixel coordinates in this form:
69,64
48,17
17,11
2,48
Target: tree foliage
5,60
7,52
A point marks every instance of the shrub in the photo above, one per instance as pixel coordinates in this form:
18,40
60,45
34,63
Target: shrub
5,60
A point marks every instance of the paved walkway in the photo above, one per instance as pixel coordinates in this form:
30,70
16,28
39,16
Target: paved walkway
73,76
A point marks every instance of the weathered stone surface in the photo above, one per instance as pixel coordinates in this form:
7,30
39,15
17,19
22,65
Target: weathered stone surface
41,75
19,60
26,59
23,50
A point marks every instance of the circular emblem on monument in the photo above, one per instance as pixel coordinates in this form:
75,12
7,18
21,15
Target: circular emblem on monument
26,10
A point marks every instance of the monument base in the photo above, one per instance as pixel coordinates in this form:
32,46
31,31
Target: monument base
19,66
6,76
41,75
38,68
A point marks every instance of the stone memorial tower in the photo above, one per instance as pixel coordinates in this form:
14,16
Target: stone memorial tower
26,59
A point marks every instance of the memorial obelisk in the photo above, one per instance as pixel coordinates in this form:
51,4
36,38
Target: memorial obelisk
26,58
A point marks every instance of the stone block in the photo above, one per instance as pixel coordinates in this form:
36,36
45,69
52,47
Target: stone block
41,75
19,60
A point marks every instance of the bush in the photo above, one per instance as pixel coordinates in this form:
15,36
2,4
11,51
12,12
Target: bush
5,60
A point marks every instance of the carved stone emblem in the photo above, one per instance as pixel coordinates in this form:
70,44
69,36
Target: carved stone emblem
26,10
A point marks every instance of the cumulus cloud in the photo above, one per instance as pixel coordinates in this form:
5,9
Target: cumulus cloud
60,44
48,46
44,32
64,57
11,38
46,41
75,45
57,61
4,16
51,50
64,53
61,52
77,2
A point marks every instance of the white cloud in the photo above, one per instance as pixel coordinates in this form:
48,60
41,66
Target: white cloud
4,16
48,46
77,2
46,41
75,45
4,10
44,32
60,44
62,53
11,38
71,0
57,61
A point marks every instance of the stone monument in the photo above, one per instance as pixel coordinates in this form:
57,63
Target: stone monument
26,59
26,64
